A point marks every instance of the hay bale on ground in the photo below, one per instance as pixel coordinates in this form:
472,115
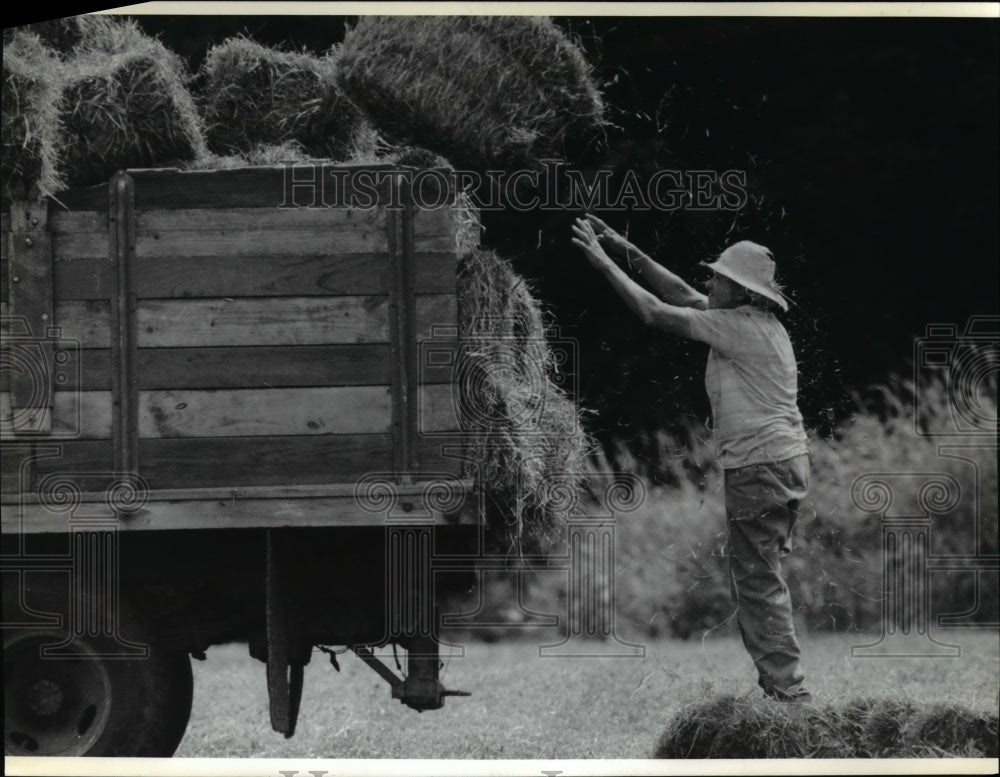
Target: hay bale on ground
252,95
949,730
124,103
524,434
731,727
483,91
734,727
29,163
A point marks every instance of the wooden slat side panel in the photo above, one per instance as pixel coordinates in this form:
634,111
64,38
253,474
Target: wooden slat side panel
80,461
262,321
263,276
75,415
262,461
247,367
241,462
253,276
234,322
435,313
85,323
436,271
247,232
434,222
226,412
438,409
16,468
80,234
254,412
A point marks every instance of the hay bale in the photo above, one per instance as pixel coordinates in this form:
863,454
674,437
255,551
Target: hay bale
29,163
252,95
744,727
483,91
524,434
731,727
124,103
58,35
946,729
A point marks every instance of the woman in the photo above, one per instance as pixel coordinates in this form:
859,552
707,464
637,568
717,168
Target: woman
752,384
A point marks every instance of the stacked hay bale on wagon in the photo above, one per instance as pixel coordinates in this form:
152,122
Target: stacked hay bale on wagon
486,92
254,97
29,160
116,98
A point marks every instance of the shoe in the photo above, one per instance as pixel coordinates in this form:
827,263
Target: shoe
797,695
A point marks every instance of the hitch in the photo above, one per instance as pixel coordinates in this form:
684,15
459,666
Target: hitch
420,689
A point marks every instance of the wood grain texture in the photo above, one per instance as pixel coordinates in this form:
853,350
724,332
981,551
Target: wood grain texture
75,415
252,276
224,462
262,321
249,231
253,321
242,367
255,412
262,461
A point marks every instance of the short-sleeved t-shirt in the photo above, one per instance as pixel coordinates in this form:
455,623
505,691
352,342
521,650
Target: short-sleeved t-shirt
752,384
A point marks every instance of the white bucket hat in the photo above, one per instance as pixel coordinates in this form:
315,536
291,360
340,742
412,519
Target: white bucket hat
752,266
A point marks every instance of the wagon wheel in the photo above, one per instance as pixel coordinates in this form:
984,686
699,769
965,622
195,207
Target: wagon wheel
284,654
87,701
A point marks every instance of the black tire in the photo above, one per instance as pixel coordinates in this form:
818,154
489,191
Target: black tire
90,699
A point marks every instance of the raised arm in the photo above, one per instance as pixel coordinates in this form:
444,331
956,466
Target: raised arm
652,311
671,288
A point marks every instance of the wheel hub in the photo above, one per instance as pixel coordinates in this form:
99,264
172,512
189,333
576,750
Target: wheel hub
46,698
53,706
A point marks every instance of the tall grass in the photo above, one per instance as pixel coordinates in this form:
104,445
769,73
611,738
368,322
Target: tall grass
671,553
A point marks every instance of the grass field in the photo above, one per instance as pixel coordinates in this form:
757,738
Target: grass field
527,707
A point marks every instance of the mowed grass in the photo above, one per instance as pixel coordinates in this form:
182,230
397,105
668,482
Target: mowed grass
524,706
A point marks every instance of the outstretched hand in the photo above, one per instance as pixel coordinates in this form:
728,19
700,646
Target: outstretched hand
609,239
586,239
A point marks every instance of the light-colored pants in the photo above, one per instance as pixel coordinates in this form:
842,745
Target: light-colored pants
762,505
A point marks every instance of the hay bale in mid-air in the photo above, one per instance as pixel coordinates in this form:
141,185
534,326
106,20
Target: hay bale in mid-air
29,164
524,434
483,91
124,103
252,95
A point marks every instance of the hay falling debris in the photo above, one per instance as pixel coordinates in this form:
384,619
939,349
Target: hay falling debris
252,95
524,433
732,727
484,91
